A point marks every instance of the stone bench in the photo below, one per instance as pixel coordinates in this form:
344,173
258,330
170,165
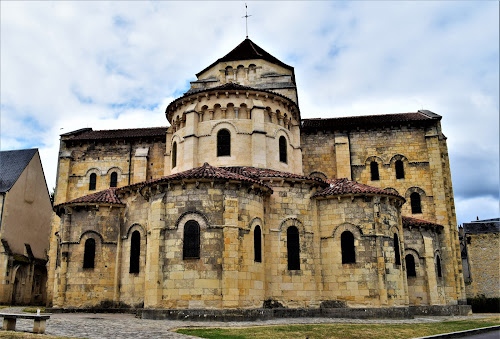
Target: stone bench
9,321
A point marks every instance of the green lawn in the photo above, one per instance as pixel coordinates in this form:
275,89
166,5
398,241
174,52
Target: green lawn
358,331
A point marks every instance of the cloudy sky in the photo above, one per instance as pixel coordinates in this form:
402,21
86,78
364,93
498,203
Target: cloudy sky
67,65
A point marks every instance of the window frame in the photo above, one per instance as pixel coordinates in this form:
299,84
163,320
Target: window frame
411,268
400,169
174,154
113,179
293,248
374,171
348,248
135,252
416,203
191,244
257,243
283,149
89,253
92,182
223,143
397,250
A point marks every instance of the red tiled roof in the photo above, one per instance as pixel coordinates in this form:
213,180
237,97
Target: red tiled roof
348,123
408,221
89,134
206,172
108,196
248,50
254,172
345,186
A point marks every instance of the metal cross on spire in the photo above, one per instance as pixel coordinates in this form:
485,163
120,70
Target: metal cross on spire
246,18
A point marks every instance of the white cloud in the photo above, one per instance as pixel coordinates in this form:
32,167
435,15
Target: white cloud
118,64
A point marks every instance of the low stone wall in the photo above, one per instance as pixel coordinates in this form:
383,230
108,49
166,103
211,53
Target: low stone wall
265,314
438,310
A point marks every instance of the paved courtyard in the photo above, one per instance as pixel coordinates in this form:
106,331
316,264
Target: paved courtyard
118,326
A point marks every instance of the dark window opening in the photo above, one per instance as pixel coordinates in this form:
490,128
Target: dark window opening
416,206
438,267
89,253
114,180
347,246
191,246
410,266
396,249
135,252
174,155
400,170
293,248
93,181
223,143
257,244
374,170
283,149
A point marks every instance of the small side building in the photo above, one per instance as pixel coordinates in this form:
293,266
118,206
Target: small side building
480,245
25,215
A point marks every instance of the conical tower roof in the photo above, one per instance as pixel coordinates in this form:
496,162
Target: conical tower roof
248,50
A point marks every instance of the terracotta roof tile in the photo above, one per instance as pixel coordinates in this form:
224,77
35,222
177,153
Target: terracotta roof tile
206,172
349,123
89,134
256,173
108,196
346,186
408,221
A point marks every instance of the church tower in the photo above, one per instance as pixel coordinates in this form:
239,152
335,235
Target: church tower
241,111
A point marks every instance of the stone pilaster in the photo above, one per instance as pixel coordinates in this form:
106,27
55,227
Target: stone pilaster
140,164
230,256
342,152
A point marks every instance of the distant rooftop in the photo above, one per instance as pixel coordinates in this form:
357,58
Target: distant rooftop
12,164
131,133
350,123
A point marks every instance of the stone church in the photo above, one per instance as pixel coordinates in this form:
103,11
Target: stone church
242,204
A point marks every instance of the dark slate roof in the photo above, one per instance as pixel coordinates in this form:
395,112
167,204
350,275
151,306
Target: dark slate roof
349,123
248,50
12,164
258,173
206,172
408,221
482,226
345,186
108,196
130,133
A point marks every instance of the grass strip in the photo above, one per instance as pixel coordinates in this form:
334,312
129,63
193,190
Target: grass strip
333,331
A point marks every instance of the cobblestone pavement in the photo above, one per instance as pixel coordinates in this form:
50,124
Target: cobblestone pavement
118,326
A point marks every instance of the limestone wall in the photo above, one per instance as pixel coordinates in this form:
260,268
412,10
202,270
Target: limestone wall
484,262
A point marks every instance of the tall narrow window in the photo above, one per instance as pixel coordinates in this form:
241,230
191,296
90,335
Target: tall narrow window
174,155
400,170
396,249
191,246
223,143
348,250
374,170
283,154
438,266
416,206
257,244
293,248
89,253
114,180
410,266
93,181
135,252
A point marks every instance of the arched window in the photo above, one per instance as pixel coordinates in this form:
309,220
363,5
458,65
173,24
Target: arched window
257,244
191,246
410,266
348,250
174,155
374,170
396,249
89,253
113,180
135,252
416,206
293,248
223,143
438,266
93,181
400,169
283,155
